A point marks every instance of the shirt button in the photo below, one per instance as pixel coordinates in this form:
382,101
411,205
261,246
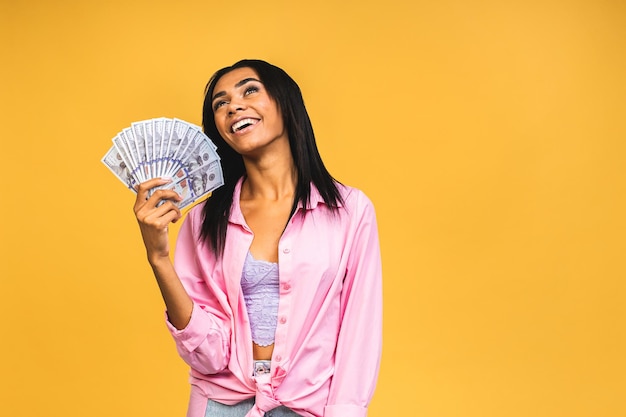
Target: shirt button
278,358
286,287
286,250
283,320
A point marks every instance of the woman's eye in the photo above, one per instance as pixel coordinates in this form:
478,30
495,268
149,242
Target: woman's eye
250,90
218,104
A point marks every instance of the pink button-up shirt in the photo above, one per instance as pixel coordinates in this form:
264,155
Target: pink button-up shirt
328,338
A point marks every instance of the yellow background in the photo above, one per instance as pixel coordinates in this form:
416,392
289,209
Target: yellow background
489,134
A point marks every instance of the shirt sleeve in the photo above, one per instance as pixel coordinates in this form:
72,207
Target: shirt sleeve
204,344
359,346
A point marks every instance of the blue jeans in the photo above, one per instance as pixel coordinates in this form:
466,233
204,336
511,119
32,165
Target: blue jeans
215,409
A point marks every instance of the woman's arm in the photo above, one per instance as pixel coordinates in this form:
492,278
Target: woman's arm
196,314
154,223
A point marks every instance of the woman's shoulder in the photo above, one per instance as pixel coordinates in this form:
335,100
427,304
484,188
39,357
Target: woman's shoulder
353,197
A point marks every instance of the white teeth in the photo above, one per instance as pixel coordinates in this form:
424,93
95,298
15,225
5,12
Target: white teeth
241,123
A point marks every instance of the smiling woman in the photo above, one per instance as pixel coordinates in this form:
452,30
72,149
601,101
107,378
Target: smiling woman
274,298
246,116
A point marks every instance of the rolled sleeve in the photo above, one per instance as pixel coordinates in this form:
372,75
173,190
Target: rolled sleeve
203,343
199,328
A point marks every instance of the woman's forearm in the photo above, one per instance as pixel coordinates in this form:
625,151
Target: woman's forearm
178,303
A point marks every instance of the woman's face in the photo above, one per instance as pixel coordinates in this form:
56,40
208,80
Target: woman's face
245,115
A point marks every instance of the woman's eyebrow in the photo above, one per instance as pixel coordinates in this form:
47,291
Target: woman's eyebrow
237,85
246,80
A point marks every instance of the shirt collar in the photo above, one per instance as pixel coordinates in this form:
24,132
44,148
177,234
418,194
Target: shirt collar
315,198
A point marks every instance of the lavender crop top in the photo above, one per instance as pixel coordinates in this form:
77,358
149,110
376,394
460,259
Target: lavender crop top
260,285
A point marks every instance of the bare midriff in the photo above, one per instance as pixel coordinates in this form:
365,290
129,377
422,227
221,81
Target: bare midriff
262,353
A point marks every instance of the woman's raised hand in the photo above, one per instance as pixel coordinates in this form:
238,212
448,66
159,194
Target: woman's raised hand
154,218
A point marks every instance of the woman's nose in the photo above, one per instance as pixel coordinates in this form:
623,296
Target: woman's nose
235,106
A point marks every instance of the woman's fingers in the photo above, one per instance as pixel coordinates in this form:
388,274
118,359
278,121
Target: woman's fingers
159,217
155,209
143,193
153,223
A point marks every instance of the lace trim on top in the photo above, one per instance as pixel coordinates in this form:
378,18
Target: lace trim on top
260,285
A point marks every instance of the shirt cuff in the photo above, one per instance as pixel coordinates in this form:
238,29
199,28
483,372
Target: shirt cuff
199,326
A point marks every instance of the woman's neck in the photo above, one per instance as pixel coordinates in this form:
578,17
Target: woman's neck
269,179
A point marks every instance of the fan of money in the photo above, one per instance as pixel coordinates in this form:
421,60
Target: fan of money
171,148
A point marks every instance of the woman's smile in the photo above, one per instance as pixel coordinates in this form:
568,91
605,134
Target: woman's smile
243,125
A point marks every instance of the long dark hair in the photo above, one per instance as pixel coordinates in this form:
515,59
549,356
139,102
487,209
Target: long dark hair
308,162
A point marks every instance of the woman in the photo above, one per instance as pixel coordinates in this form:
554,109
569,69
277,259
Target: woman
274,296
